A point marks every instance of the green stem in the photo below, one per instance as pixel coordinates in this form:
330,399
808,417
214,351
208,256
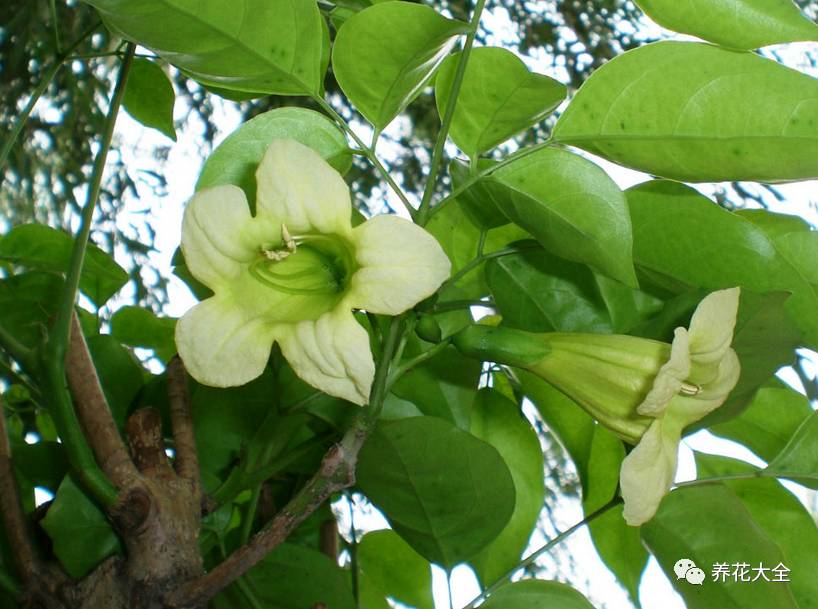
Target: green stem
473,178
83,465
17,350
506,251
9,585
448,114
367,151
529,560
21,119
415,361
248,593
380,382
753,475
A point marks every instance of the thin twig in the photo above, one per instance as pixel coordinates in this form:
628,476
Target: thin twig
529,560
93,411
448,114
187,457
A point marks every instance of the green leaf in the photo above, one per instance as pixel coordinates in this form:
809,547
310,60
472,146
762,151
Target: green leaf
737,24
781,516
42,464
459,239
222,427
683,110
539,292
799,458
138,327
764,340
292,577
26,302
775,225
37,246
618,545
395,569
119,372
498,421
709,524
235,160
537,594
385,54
444,386
149,97
800,249
476,200
570,206
268,46
769,421
445,492
682,239
573,426
498,98
80,533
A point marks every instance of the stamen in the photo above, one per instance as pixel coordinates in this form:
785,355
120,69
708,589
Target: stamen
289,242
689,388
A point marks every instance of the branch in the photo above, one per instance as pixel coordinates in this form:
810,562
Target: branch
14,519
187,458
448,114
94,412
83,466
17,350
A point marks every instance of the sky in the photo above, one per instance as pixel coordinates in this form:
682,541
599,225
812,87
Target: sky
184,160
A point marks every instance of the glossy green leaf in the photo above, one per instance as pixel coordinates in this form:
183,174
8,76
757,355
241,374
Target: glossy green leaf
498,421
774,224
627,307
80,533
764,340
682,239
499,97
445,492
292,577
476,201
799,458
395,569
781,516
26,301
618,545
459,238
570,206
43,463
269,46
537,594
564,418
138,327
235,160
149,97
539,292
800,249
385,54
769,421
698,113
736,24
728,534
120,374
37,246
444,386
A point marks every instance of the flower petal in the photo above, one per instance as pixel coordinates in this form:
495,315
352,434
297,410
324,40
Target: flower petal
648,471
671,375
711,328
299,188
712,395
331,354
401,264
220,346
215,234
